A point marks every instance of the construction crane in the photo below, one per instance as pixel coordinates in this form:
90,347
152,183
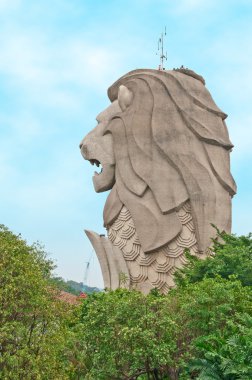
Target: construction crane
87,266
86,272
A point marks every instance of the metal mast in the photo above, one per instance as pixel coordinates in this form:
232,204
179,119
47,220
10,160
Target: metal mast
160,52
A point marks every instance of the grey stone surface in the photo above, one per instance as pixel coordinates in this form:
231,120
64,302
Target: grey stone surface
164,149
111,261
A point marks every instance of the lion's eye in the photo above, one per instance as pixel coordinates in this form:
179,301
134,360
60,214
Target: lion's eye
112,123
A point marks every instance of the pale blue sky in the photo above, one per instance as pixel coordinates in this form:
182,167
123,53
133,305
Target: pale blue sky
57,59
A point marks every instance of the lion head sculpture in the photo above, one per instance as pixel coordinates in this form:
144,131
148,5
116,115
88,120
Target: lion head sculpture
162,144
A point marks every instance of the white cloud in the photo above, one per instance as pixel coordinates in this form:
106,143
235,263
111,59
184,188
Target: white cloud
22,127
185,6
7,5
46,72
92,65
50,70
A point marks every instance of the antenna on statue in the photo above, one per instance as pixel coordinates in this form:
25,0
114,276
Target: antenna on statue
160,52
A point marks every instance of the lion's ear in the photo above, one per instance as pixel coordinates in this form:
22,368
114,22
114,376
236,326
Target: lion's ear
125,97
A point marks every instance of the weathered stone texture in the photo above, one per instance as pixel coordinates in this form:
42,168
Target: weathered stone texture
164,148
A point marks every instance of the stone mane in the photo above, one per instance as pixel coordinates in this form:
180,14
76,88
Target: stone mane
164,148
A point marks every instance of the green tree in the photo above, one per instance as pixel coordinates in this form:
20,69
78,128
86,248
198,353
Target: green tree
226,354
61,284
126,335
200,330
202,310
33,322
72,287
230,255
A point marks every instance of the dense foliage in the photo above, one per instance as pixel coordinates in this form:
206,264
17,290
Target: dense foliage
232,256
226,354
201,330
127,334
33,323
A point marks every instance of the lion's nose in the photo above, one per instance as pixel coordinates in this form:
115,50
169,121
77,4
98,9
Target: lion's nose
84,149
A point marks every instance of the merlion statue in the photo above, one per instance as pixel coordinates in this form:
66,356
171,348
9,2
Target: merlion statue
164,150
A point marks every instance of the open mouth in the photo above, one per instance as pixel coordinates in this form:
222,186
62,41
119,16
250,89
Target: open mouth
105,178
98,164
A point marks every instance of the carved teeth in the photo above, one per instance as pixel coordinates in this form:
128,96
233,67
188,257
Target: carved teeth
94,161
95,173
